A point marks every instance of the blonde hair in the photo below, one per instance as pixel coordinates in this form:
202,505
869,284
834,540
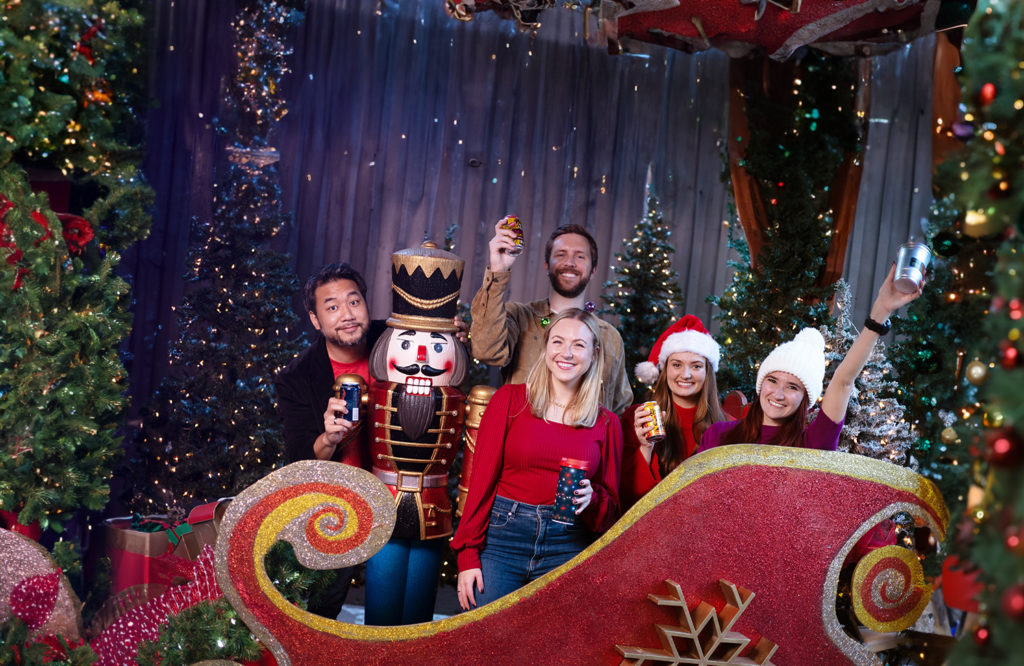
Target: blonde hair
582,410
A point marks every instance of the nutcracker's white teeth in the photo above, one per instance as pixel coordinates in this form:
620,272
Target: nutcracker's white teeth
418,385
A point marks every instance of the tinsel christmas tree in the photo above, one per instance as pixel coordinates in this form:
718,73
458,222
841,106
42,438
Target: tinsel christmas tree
990,189
645,295
212,430
875,426
796,146
68,103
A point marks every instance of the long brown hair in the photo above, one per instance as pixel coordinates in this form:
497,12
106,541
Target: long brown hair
583,409
748,429
672,450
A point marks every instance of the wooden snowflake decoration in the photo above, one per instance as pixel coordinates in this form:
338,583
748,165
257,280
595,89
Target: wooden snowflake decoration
704,637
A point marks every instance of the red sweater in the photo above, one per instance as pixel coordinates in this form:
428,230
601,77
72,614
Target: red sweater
639,476
521,461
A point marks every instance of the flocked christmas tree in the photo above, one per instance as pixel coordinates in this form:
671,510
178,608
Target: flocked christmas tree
68,103
212,429
796,146
990,188
645,295
875,426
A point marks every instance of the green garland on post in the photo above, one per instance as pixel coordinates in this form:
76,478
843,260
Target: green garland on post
795,150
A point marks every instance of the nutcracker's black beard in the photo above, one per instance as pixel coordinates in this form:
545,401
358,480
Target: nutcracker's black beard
415,412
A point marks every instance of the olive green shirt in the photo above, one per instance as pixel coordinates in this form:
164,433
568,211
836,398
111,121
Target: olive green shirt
510,335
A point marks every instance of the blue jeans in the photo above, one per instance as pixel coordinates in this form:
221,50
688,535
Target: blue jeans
401,581
523,544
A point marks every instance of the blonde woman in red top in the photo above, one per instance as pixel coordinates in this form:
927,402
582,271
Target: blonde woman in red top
681,366
507,537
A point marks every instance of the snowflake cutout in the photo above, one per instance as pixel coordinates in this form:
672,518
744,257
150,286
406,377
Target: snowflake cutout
704,637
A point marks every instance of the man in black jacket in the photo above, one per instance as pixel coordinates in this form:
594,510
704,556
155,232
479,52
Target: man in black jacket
335,298
314,420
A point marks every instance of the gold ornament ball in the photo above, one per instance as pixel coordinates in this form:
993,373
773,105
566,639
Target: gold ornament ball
993,419
977,372
978,223
949,436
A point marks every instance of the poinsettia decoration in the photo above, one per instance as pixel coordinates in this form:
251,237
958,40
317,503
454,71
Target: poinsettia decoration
77,232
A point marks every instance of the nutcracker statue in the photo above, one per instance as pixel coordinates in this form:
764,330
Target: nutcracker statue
418,410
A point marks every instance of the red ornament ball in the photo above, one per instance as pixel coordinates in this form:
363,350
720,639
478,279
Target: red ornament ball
1009,357
1014,540
982,636
987,94
1005,447
1013,602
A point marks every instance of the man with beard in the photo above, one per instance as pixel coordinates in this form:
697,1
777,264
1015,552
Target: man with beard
335,298
315,427
511,335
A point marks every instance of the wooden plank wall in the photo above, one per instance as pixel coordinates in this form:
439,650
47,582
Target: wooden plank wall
403,121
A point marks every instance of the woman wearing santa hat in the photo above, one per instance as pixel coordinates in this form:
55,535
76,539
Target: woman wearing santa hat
681,366
790,380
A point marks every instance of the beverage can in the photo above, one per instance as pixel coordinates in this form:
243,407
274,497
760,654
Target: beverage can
350,393
512,222
569,476
658,432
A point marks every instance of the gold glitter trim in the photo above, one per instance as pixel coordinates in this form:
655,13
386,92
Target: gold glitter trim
430,260
891,578
425,303
855,650
419,323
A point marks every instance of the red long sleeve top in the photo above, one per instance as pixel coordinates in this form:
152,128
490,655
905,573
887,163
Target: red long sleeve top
519,456
638,475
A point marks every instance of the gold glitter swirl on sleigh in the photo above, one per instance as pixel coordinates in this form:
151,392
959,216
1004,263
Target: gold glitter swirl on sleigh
889,592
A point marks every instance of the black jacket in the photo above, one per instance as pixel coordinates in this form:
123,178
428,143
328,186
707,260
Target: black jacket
303,389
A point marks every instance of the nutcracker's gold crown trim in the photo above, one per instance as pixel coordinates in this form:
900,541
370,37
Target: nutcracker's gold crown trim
425,303
429,259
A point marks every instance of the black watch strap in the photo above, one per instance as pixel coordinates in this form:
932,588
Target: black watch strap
875,327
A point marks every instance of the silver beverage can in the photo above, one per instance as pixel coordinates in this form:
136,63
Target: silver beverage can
912,262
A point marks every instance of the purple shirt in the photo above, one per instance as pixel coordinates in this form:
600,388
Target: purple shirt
822,433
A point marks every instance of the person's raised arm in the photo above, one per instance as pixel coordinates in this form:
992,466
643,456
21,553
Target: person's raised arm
493,334
840,386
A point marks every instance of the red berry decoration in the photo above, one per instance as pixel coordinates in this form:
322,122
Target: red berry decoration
982,636
1005,447
1009,357
1013,602
987,94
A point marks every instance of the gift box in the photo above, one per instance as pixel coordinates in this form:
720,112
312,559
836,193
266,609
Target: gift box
151,550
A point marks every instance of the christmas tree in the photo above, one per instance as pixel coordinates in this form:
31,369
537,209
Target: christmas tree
989,188
930,351
212,429
796,146
68,105
645,295
875,426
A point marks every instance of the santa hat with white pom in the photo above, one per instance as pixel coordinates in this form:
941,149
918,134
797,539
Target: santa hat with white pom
686,335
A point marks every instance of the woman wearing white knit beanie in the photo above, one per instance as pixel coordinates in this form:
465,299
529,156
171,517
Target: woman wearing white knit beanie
790,379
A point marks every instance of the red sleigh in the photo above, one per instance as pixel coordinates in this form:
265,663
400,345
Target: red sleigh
773,524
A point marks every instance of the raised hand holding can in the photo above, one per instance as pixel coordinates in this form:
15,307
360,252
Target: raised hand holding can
512,223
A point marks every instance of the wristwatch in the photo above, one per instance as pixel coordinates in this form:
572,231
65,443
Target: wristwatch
874,326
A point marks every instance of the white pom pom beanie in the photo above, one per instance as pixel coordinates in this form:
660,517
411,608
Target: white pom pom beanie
804,357
687,334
